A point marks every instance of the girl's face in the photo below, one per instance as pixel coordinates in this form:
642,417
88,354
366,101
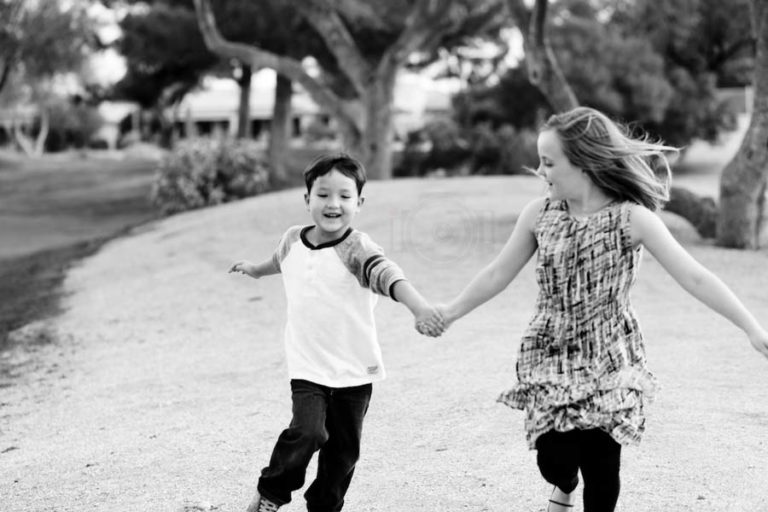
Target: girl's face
564,179
333,203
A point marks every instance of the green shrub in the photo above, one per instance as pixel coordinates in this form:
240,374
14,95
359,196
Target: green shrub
437,146
517,150
71,125
480,149
204,172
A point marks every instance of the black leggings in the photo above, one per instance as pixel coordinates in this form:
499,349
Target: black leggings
562,454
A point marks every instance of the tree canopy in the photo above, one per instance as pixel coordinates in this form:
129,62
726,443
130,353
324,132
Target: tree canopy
655,63
41,39
369,42
165,54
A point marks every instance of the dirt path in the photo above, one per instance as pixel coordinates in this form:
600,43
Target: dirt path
166,387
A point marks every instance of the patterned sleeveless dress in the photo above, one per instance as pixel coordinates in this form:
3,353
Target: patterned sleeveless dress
582,361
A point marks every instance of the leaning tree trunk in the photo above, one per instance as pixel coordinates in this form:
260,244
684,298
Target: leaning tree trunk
743,183
280,129
244,109
543,70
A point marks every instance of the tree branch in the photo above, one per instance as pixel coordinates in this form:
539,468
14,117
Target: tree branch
428,21
326,20
543,69
362,12
519,13
258,58
537,24
6,72
729,51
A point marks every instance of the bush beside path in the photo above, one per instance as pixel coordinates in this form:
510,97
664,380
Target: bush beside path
162,386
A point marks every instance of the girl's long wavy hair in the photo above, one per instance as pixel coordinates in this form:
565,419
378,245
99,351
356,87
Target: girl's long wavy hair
625,167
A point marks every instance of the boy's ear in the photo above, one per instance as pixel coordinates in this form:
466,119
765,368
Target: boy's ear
306,199
360,201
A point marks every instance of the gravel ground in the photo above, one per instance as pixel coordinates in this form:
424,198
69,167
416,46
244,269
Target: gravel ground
162,386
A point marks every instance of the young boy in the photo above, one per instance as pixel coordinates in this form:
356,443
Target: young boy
332,275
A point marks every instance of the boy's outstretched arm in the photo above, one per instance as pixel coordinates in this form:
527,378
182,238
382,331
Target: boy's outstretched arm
427,319
255,270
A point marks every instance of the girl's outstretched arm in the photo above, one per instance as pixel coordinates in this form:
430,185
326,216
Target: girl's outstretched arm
497,275
649,230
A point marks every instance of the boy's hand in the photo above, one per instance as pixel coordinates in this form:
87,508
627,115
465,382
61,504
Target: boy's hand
759,340
244,267
430,322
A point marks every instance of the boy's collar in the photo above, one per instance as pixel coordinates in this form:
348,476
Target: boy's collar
324,245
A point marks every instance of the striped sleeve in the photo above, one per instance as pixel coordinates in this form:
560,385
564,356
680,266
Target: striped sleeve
367,262
284,245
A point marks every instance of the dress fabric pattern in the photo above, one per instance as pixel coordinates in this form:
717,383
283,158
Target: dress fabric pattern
582,363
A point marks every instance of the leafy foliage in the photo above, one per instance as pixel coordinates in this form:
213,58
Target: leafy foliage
444,146
40,39
652,63
162,48
72,124
204,172
513,101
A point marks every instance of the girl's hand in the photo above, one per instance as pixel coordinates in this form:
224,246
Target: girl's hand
759,340
445,314
430,323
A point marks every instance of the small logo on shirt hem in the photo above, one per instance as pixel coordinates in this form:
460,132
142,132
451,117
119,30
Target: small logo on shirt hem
372,370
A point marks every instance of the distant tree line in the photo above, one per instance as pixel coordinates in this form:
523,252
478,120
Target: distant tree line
656,63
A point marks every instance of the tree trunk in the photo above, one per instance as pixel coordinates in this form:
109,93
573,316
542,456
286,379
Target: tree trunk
543,69
165,137
376,142
743,183
280,129
22,139
244,108
42,135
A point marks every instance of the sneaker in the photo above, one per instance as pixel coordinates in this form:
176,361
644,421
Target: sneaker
262,504
560,501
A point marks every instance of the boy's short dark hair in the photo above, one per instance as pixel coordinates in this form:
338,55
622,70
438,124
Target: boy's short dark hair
342,162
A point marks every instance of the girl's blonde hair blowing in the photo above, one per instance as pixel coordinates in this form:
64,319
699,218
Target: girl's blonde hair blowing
625,167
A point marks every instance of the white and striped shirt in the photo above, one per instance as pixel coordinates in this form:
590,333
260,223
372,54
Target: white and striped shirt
331,290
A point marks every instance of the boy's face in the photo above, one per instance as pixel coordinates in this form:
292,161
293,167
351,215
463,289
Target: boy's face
333,203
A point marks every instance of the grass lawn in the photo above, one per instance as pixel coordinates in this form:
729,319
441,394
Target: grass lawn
54,211
58,209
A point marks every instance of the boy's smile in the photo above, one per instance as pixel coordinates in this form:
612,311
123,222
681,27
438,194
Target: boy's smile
333,203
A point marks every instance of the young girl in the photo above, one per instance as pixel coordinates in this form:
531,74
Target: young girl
583,380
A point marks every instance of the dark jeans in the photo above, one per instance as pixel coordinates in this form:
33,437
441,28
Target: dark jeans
562,454
325,419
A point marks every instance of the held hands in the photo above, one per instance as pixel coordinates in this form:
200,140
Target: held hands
432,322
